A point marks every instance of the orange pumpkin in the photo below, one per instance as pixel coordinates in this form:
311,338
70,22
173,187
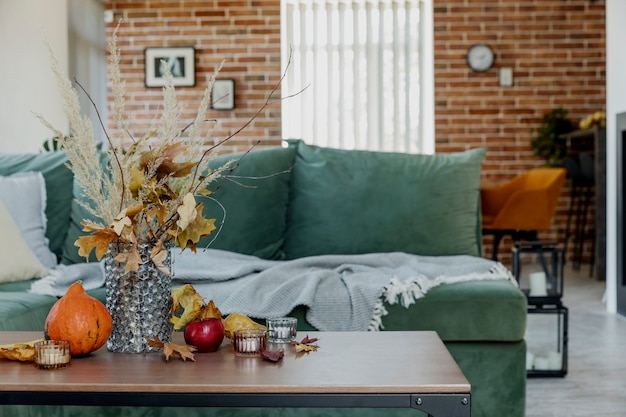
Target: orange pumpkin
80,319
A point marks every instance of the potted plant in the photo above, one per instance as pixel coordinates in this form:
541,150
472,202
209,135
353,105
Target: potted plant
546,142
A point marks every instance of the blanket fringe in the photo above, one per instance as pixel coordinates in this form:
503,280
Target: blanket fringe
407,292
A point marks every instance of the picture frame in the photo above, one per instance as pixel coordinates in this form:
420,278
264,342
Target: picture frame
223,94
181,61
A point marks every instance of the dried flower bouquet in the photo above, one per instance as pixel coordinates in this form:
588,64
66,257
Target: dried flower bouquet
148,192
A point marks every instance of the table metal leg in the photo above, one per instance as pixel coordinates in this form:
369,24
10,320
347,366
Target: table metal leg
443,405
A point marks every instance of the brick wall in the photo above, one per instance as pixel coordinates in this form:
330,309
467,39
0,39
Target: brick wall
244,34
556,49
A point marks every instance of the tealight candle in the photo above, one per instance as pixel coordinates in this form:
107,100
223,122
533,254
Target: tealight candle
555,361
282,329
530,359
52,354
538,284
541,363
249,342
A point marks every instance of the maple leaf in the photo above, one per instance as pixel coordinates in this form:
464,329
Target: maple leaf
23,351
198,228
209,311
191,302
301,347
308,340
306,344
137,178
130,258
98,240
166,156
187,211
119,224
158,256
159,211
183,351
272,355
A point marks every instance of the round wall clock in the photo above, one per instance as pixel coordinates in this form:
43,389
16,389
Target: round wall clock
480,57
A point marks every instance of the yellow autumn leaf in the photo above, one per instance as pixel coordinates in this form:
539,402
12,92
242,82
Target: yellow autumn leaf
158,256
130,258
187,211
159,211
98,240
137,178
199,228
23,351
183,351
190,301
119,224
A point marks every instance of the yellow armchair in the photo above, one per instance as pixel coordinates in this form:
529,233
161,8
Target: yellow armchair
521,206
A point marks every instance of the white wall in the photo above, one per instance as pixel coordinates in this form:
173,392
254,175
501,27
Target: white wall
616,103
26,82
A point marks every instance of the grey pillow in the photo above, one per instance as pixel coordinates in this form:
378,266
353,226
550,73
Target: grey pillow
24,195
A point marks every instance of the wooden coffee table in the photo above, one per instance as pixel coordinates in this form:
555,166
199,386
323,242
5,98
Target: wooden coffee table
350,369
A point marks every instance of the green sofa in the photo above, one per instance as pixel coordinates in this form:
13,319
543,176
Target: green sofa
301,200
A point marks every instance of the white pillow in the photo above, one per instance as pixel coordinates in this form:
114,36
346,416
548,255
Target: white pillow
24,196
17,260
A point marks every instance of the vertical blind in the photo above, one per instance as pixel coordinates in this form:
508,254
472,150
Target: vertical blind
366,70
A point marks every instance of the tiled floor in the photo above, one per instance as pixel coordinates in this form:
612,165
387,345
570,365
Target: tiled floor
595,385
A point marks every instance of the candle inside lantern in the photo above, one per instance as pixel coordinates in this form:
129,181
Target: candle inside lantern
555,361
530,359
541,363
282,329
52,354
538,284
249,342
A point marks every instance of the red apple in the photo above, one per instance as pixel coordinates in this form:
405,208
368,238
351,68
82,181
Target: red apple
205,334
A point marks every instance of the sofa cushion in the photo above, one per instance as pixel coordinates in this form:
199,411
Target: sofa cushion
255,198
422,204
24,197
58,179
17,259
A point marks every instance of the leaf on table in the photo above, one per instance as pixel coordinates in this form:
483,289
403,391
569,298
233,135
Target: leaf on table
308,340
306,345
301,347
172,349
272,355
23,352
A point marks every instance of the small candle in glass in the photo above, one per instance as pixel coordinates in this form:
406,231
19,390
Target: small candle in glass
249,342
282,329
52,354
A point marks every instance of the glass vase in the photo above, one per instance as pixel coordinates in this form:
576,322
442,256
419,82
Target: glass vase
139,302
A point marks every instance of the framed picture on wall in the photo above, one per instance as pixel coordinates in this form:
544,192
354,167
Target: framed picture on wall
181,61
223,94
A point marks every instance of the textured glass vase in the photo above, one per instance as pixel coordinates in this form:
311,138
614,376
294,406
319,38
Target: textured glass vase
139,302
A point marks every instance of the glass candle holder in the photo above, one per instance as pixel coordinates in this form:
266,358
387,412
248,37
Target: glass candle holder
249,342
52,354
282,329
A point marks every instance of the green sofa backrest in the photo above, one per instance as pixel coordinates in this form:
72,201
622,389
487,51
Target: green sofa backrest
350,202
302,200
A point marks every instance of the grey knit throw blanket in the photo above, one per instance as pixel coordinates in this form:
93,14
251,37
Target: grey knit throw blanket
342,292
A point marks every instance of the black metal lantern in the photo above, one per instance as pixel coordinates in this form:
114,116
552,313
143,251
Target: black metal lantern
545,286
546,330
546,341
